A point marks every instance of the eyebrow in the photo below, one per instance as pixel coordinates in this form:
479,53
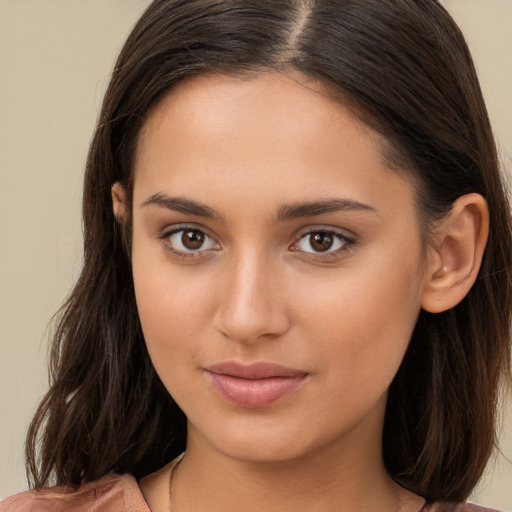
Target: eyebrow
296,211
179,204
286,212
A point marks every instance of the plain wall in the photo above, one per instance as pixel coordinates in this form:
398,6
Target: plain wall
55,61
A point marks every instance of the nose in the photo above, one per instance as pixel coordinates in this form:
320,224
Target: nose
252,306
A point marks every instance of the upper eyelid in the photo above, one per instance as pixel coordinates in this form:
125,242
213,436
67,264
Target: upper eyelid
341,237
176,228
344,233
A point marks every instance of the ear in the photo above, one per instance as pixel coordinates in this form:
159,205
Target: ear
456,254
118,201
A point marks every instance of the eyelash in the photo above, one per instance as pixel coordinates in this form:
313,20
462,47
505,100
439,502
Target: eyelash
346,243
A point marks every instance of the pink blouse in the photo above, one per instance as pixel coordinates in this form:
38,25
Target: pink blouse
112,493
121,493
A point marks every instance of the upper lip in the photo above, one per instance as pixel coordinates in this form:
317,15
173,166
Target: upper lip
254,371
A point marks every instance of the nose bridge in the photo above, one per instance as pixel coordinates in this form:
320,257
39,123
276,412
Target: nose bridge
251,306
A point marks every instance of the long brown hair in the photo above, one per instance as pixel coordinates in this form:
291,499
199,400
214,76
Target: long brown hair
404,68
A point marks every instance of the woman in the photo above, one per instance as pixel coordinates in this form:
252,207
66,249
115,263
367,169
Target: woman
297,269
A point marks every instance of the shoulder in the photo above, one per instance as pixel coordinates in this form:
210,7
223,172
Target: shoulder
456,507
111,493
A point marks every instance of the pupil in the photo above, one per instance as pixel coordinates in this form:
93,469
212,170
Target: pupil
192,239
321,241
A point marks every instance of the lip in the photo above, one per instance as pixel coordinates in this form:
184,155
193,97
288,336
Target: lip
254,385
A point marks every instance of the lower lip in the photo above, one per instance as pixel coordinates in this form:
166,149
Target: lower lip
255,393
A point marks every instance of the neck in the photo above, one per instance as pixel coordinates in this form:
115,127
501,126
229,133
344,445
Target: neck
333,479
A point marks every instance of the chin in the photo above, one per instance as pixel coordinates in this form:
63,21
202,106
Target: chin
265,442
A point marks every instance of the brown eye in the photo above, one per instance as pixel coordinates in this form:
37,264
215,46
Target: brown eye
189,242
321,241
327,242
192,239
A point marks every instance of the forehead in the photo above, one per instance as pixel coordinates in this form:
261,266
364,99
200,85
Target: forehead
212,103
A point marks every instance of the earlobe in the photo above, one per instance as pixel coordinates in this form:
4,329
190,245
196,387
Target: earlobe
118,201
456,254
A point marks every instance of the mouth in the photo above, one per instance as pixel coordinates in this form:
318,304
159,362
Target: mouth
255,385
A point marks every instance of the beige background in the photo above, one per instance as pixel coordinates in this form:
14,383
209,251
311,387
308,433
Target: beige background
55,60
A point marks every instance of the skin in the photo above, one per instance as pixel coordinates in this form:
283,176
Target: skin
258,289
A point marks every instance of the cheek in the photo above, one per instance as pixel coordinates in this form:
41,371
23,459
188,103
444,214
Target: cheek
170,305
363,320
175,306
169,324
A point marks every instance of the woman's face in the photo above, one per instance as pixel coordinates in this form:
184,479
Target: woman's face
278,266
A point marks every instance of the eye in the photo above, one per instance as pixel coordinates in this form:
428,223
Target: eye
188,242
322,242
